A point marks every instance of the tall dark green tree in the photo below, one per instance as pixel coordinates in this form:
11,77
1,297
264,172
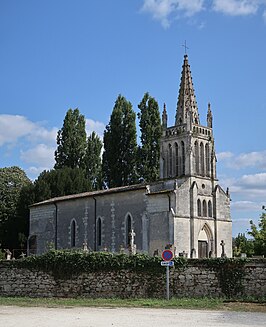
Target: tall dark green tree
26,198
151,131
93,164
60,182
71,141
120,145
12,181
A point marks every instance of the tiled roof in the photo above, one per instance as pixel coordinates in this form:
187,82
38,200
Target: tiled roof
91,194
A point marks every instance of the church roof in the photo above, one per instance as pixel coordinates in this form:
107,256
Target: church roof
91,194
187,104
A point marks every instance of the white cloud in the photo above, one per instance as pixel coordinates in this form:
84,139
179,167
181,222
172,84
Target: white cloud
244,160
251,159
256,181
249,188
166,10
248,192
264,16
14,127
41,154
236,7
245,205
162,9
32,142
34,172
95,126
224,155
44,134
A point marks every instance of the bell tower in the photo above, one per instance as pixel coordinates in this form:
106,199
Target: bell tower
187,148
200,209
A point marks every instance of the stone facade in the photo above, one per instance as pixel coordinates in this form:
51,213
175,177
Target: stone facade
196,280
186,210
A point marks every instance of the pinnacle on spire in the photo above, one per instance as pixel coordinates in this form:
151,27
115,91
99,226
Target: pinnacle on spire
209,116
187,109
164,117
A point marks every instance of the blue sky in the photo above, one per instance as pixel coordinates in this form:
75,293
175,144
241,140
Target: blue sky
63,54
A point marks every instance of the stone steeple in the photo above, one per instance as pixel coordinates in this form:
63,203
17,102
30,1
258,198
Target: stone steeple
209,116
187,148
164,117
187,109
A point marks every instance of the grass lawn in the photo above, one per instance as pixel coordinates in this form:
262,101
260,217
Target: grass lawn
183,303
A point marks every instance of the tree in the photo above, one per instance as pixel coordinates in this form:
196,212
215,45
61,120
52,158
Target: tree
93,160
26,198
259,235
12,181
120,145
151,131
42,187
71,140
60,182
241,244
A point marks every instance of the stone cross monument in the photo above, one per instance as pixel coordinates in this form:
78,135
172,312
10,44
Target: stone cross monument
223,255
132,245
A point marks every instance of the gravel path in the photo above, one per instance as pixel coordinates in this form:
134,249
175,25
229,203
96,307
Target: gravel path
11,316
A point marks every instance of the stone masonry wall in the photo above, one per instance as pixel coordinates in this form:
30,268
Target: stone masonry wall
193,281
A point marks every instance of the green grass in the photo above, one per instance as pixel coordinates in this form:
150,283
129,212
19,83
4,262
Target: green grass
203,303
183,303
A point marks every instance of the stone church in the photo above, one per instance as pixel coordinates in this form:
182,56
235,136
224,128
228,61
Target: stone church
186,210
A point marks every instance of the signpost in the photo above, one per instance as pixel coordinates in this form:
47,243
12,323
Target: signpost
167,263
167,256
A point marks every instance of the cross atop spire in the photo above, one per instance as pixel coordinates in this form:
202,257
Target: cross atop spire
185,46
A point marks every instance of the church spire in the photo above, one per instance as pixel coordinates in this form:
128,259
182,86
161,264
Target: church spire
187,110
164,117
209,116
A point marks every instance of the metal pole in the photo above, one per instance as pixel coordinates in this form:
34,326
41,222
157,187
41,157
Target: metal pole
167,283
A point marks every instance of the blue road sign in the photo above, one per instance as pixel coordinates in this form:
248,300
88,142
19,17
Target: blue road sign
167,263
167,255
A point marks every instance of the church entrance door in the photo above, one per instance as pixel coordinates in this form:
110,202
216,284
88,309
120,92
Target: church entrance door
203,249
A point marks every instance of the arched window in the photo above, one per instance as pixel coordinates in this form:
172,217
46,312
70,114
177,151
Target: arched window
196,146
204,207
209,209
128,229
176,160
202,159
207,155
199,208
99,232
170,150
183,158
73,233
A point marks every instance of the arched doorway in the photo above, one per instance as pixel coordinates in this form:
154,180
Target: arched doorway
205,242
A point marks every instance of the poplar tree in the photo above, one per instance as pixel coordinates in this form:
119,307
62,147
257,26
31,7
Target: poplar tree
120,145
71,141
151,131
12,181
93,165
60,182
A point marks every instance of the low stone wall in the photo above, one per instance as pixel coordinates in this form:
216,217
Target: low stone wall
195,280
